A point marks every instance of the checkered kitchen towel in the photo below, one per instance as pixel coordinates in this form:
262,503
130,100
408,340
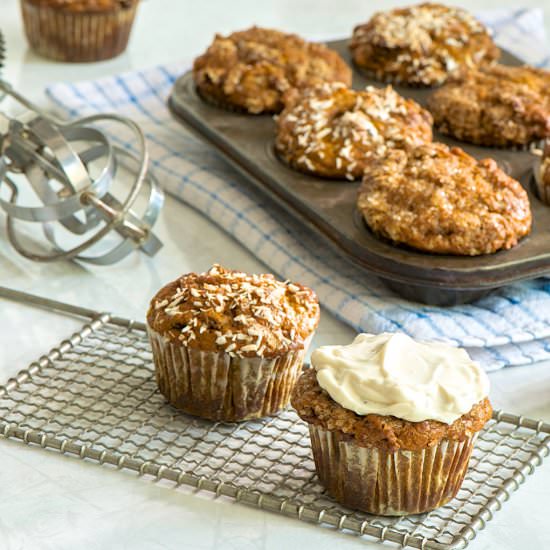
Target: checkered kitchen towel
511,326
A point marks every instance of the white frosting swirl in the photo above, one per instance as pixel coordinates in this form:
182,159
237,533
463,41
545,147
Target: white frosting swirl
392,374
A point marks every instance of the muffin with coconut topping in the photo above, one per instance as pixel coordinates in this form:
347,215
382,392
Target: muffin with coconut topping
334,132
421,45
229,346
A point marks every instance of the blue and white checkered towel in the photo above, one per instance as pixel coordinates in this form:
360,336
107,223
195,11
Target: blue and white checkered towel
511,326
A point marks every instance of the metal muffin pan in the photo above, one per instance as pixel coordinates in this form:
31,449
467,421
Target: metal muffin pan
329,206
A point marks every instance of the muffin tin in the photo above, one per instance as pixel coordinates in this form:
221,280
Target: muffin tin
329,206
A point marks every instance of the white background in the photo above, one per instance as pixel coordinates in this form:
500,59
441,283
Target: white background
51,502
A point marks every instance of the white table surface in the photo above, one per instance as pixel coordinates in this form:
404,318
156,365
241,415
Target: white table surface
53,502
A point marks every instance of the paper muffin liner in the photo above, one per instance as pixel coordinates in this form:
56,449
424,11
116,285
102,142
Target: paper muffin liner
217,386
387,483
77,36
529,147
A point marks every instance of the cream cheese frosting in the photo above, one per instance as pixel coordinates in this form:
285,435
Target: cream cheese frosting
392,374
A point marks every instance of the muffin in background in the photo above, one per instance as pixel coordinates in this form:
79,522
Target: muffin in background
248,71
441,200
78,30
229,346
497,106
392,421
421,45
333,131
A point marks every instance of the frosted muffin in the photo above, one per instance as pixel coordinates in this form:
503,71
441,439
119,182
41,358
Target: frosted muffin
250,70
392,421
494,106
229,346
421,45
333,131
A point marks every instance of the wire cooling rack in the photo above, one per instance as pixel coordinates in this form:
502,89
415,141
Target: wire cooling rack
95,396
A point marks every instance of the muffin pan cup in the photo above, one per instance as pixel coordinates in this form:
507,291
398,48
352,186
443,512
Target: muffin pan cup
218,386
387,483
328,207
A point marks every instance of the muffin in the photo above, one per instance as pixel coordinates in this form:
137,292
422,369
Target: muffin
542,175
249,70
439,199
421,45
229,346
78,30
392,421
496,106
333,131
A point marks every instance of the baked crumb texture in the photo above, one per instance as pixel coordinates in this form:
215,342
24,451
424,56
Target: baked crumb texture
333,131
421,45
236,313
441,200
495,106
250,70
315,406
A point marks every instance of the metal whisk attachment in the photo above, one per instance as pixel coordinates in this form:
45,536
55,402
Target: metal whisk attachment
63,176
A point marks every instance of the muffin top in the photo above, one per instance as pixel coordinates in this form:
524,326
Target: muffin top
85,5
394,393
494,105
251,69
243,315
333,131
421,44
442,200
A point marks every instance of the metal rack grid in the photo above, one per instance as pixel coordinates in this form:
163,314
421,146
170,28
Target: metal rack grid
95,396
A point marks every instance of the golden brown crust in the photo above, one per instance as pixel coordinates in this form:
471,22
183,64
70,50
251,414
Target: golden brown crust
76,6
421,45
250,70
315,406
333,131
444,201
243,315
495,106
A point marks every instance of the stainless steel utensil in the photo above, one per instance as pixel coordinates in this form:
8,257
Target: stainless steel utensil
62,175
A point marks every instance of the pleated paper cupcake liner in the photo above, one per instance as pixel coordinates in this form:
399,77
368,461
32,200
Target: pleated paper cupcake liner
77,36
386,483
217,386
